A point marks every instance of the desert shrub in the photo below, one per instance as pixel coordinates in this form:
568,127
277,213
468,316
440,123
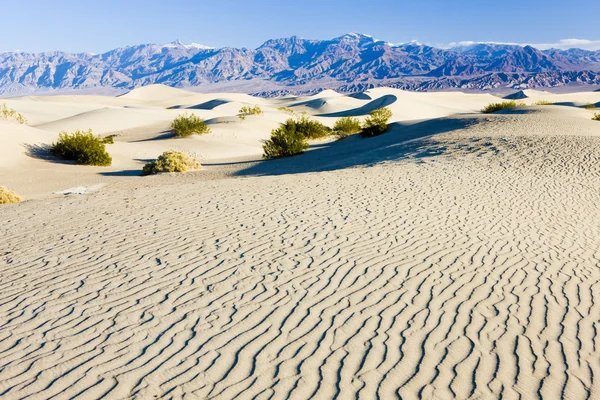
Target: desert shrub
287,140
171,161
590,106
8,113
376,123
286,110
491,108
247,110
310,128
543,103
8,196
346,126
186,125
596,117
110,139
81,147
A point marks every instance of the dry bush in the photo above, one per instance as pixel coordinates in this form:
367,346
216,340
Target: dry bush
171,161
247,110
491,108
8,196
8,113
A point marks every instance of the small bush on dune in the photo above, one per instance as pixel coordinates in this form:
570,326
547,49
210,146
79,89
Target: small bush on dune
8,196
287,140
286,110
376,123
590,106
186,125
543,103
247,110
346,126
491,108
8,113
82,147
596,117
171,161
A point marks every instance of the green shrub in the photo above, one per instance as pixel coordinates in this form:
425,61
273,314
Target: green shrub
8,196
590,106
287,140
491,108
543,103
110,139
596,117
346,126
171,161
310,128
186,125
376,123
81,147
8,113
247,110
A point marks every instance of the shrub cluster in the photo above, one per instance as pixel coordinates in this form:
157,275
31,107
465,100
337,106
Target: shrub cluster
186,125
287,140
596,117
491,108
8,196
83,148
376,123
346,126
543,103
171,161
247,110
6,113
590,106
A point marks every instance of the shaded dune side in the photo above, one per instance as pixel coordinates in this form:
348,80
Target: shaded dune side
468,269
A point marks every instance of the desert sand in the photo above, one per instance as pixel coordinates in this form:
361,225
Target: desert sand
455,256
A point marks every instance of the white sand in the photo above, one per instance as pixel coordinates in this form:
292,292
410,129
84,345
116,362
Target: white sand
454,257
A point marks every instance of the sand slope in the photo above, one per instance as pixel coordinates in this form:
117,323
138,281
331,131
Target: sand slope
449,258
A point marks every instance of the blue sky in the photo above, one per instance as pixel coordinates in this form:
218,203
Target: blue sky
98,26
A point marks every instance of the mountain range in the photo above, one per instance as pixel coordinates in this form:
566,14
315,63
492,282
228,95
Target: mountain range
352,62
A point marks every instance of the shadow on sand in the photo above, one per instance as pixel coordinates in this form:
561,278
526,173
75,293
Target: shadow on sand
398,142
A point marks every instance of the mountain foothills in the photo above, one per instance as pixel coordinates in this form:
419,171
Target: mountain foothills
349,63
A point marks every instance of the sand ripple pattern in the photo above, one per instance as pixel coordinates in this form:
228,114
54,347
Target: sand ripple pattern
468,270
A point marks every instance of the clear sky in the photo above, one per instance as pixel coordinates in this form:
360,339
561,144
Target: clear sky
101,25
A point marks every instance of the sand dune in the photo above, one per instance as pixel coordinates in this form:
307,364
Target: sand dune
455,256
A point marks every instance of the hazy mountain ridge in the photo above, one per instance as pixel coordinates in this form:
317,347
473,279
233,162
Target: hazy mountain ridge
346,63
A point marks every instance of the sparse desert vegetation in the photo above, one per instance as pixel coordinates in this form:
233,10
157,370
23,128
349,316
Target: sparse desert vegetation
596,117
346,126
171,161
82,147
310,128
185,125
376,123
247,110
590,106
7,196
11,114
543,103
505,105
287,140
286,110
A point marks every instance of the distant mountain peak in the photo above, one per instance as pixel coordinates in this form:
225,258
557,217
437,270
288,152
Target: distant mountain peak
179,43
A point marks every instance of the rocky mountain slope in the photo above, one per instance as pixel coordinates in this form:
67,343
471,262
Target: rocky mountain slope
347,63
